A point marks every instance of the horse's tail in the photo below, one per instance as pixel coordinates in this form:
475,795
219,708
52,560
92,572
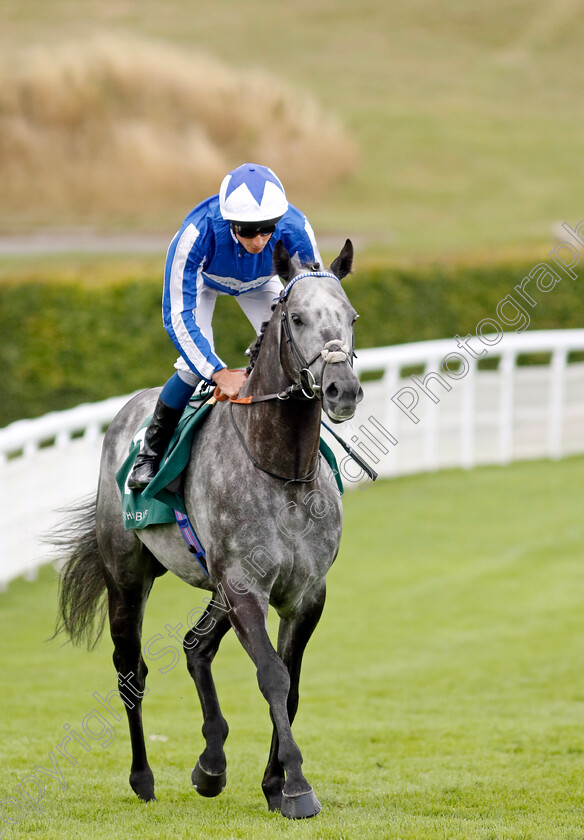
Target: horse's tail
82,605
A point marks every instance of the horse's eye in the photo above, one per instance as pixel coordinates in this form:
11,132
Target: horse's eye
354,319
296,319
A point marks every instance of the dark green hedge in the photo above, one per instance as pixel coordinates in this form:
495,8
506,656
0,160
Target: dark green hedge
441,300
63,343
64,340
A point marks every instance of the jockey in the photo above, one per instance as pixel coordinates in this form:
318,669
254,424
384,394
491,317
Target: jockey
224,247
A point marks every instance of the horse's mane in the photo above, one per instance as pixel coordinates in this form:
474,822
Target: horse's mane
254,350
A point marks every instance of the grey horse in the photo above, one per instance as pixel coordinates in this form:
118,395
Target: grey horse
265,505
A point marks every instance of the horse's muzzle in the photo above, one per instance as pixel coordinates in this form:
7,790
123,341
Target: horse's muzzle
341,392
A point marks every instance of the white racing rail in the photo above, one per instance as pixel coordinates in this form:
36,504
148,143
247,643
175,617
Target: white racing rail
475,415
447,413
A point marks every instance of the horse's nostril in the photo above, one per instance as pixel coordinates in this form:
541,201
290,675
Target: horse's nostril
359,394
331,391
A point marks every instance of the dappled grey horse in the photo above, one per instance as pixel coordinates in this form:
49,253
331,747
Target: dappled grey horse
265,506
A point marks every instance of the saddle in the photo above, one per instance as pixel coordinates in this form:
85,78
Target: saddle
160,501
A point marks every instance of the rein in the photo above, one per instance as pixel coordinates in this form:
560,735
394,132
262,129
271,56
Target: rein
307,478
333,351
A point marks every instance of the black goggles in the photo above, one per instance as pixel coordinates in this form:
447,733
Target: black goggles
251,231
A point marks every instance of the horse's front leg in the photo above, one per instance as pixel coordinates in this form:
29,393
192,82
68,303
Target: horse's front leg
293,636
248,617
201,644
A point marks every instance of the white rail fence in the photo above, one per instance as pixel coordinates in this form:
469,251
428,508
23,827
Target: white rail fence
450,413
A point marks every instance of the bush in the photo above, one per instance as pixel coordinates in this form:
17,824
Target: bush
71,336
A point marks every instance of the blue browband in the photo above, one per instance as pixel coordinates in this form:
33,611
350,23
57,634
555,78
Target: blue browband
301,276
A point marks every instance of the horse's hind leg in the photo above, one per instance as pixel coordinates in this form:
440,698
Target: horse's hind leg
127,601
248,617
201,644
293,636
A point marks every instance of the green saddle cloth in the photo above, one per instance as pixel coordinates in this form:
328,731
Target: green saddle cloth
156,504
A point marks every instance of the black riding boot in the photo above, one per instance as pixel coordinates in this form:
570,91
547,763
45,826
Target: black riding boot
158,435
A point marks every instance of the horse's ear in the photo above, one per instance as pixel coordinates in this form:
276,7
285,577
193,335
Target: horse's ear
344,262
281,261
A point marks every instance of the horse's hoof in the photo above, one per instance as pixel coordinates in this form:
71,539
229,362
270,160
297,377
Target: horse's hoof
208,784
143,785
301,806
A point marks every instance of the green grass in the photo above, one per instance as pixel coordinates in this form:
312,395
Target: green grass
468,116
442,695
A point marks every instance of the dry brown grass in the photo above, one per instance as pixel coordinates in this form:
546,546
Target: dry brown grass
134,128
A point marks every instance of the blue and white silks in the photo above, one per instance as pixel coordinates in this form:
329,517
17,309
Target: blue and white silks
206,259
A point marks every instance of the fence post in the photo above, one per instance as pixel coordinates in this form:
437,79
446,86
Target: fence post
467,419
556,412
507,373
390,383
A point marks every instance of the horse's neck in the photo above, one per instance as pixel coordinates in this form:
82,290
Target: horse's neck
267,376
282,435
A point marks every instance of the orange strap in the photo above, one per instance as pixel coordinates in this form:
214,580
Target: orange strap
221,397
241,400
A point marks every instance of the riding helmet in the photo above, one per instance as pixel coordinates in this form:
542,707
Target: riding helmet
252,193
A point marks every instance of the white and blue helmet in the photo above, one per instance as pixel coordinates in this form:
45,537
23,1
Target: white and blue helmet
251,194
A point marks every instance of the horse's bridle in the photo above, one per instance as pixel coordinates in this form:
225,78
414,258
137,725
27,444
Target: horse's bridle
333,351
306,386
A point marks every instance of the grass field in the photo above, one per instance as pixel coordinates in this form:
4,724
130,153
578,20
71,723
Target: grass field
442,695
467,116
